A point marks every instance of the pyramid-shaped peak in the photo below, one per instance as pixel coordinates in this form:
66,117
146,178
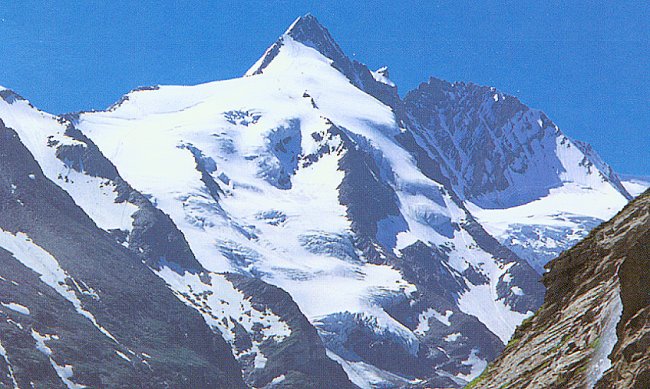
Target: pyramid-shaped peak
306,25
308,31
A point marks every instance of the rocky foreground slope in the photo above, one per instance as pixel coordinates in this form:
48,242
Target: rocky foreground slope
593,329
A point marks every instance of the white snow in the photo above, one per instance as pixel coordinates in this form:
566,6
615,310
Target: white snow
452,337
260,360
635,186
278,379
517,290
482,301
423,320
122,355
222,306
554,209
367,376
17,307
545,227
380,76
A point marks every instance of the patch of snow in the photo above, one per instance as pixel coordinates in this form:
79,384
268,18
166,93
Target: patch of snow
367,376
17,308
607,339
260,360
42,134
222,305
423,320
477,366
122,355
517,290
482,301
452,337
569,200
539,230
278,379
380,75
635,186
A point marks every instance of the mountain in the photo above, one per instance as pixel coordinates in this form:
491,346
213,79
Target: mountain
333,233
294,175
593,329
529,185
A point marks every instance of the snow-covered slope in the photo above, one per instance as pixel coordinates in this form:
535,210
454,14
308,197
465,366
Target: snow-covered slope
79,310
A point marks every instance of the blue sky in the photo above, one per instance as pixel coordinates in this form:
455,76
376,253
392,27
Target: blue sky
585,64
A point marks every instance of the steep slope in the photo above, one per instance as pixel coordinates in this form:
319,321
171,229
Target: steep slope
294,175
594,327
261,336
79,309
529,185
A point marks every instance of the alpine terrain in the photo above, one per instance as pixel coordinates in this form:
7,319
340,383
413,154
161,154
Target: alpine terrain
300,226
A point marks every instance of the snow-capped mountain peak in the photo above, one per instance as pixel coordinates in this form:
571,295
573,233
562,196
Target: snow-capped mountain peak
311,174
309,32
295,175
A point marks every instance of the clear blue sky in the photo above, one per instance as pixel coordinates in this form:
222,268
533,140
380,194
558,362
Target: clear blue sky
587,65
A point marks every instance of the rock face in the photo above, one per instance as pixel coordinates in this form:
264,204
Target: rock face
593,329
500,153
